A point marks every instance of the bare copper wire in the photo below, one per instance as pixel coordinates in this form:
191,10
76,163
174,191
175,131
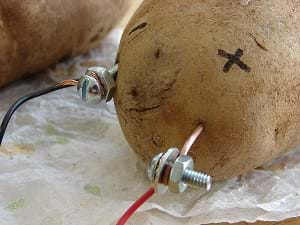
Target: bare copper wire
184,151
67,83
191,140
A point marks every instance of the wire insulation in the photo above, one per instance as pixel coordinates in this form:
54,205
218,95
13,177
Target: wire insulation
184,151
133,208
26,98
69,83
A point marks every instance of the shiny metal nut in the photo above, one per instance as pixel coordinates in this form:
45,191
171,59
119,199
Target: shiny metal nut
106,79
166,159
97,84
90,89
157,166
181,164
153,165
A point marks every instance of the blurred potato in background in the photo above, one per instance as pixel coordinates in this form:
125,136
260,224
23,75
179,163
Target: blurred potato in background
36,34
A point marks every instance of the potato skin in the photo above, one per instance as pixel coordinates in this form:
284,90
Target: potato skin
171,78
35,34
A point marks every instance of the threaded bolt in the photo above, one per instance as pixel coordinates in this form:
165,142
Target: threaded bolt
98,84
196,179
182,175
114,71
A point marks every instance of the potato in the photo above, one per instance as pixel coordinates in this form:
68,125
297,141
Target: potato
232,67
35,34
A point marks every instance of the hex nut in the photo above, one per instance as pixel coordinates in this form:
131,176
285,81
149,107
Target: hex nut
106,79
90,90
182,163
166,158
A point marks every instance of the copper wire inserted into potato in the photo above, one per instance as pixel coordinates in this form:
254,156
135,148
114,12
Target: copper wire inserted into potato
191,140
164,179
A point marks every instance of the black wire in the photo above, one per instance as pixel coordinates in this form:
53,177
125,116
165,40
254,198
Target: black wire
21,101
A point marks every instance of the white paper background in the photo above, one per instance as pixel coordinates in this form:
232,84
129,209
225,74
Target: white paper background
67,163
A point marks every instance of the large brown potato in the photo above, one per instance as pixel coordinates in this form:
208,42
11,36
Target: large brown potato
35,34
232,67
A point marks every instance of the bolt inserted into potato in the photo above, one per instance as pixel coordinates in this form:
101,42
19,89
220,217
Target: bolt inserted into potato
232,67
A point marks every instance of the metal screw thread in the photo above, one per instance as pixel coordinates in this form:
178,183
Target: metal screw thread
196,179
114,71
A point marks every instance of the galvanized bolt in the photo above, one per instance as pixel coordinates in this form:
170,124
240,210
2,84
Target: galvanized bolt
196,179
97,84
176,172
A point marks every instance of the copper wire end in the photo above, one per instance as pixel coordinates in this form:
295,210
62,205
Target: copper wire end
67,83
191,140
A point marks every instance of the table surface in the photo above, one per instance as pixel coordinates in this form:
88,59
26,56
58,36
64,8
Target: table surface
293,221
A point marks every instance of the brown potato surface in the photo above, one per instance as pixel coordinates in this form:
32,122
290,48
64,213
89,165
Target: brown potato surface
35,34
232,67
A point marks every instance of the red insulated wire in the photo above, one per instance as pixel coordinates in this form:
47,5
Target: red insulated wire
135,206
186,148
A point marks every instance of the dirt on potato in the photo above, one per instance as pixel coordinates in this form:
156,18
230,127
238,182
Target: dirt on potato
233,67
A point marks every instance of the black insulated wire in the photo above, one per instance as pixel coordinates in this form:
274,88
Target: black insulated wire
23,100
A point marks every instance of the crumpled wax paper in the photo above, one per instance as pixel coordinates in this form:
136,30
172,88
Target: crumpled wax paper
64,162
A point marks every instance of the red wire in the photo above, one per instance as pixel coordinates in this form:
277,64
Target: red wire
135,206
